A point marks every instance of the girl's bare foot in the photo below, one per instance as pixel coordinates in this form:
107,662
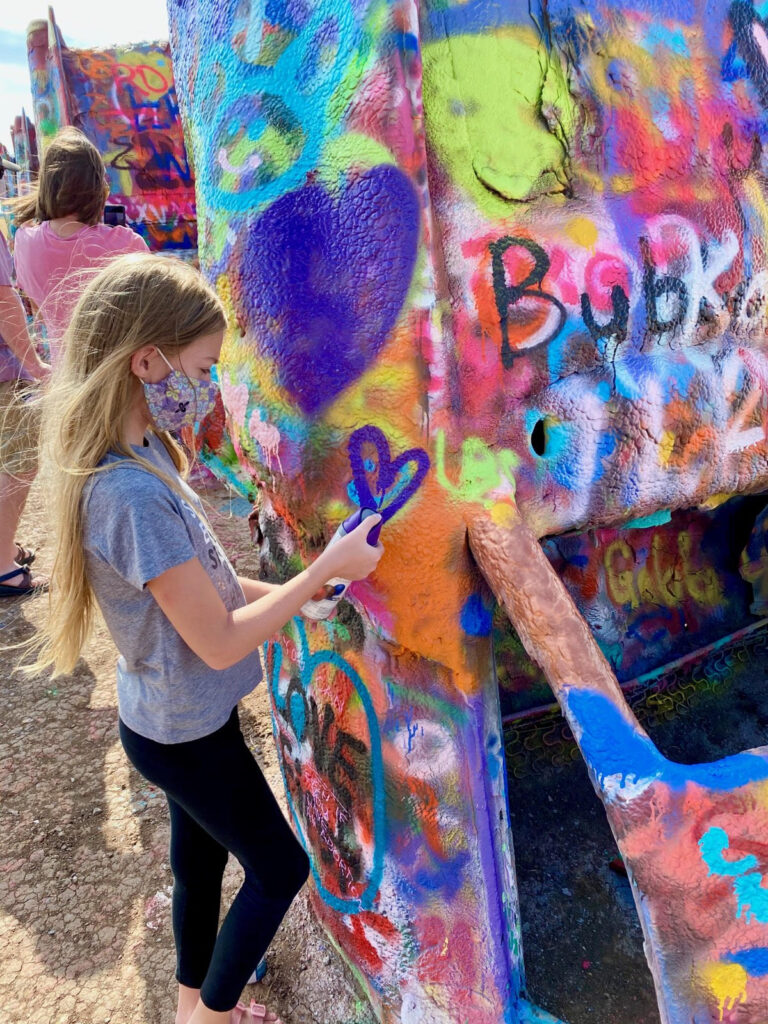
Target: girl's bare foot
256,1013
202,1015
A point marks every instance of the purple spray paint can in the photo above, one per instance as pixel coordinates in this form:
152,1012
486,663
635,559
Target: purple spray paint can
335,589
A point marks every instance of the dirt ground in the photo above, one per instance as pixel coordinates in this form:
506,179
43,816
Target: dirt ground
85,932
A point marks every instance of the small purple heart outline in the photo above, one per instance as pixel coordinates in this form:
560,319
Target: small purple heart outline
388,469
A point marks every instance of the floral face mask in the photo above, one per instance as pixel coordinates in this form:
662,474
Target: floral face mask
179,401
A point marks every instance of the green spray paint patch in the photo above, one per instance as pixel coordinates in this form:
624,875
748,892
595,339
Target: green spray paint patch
484,470
348,151
500,116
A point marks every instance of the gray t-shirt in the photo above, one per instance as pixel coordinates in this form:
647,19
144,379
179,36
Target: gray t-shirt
135,528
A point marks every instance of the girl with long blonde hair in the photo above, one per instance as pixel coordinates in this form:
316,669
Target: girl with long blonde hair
132,538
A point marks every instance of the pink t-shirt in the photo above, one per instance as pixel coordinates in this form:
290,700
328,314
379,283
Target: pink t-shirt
53,271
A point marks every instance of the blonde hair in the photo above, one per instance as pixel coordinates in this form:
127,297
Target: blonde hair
72,179
137,300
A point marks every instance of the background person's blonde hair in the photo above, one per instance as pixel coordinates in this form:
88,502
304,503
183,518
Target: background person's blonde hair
72,180
137,300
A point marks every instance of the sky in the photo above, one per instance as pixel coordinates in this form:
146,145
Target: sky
83,23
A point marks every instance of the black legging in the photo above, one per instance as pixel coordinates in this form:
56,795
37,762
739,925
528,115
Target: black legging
220,801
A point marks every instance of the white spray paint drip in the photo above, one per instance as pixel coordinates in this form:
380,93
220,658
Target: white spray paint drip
267,436
235,398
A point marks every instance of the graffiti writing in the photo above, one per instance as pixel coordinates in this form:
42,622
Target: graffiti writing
748,886
333,773
382,482
127,105
344,761
661,580
678,279
510,295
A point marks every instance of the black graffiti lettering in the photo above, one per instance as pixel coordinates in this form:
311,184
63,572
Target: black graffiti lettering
617,325
654,287
743,17
348,847
344,761
740,173
734,302
285,752
345,839
507,294
339,763
319,735
117,162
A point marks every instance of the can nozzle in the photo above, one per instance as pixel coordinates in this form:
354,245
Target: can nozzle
357,517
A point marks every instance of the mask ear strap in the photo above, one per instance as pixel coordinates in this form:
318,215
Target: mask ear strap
162,356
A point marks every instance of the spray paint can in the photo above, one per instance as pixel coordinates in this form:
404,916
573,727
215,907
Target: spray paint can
335,589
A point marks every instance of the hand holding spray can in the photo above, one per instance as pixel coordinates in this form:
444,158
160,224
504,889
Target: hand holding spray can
335,589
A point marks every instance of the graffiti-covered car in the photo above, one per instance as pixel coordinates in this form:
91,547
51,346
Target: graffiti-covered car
492,264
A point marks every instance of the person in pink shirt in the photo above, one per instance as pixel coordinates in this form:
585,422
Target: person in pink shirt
61,239
20,368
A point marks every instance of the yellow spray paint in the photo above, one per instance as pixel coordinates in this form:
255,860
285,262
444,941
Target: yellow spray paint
727,984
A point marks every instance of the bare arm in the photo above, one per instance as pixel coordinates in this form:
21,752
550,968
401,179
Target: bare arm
254,589
13,327
220,638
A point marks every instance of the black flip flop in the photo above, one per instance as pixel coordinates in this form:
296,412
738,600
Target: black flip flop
28,587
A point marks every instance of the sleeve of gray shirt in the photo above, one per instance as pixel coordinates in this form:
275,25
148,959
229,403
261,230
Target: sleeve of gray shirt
133,522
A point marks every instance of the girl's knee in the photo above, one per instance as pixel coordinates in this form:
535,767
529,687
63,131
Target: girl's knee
286,878
192,866
296,871
302,868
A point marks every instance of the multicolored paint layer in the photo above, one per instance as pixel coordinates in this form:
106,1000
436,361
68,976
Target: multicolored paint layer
474,253
24,141
124,99
650,595
614,306
691,835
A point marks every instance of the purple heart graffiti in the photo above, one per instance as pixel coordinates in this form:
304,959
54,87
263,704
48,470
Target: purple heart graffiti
388,472
323,278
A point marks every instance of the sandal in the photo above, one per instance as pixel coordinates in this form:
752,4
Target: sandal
243,1014
258,974
28,586
259,1012
24,556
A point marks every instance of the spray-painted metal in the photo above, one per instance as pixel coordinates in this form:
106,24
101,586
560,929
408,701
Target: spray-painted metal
477,254
124,99
24,143
692,836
